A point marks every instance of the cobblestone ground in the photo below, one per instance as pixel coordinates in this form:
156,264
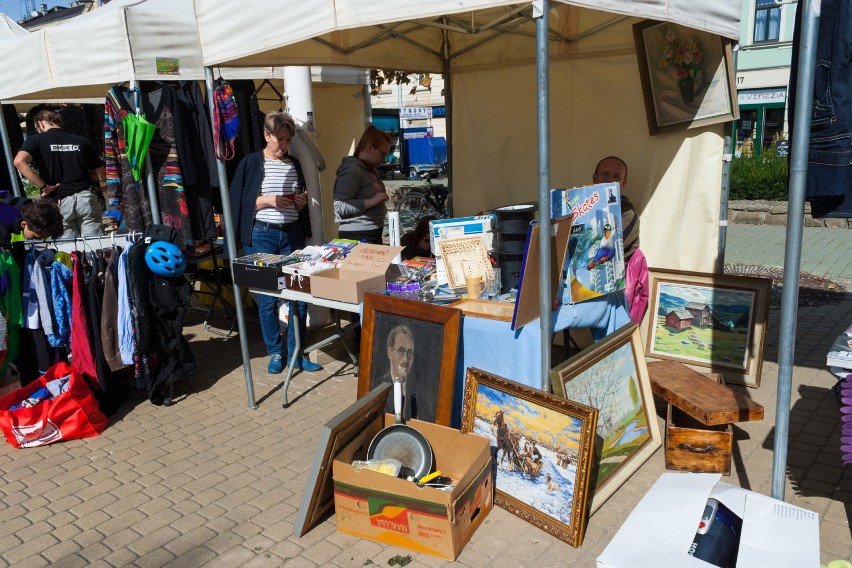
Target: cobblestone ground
209,482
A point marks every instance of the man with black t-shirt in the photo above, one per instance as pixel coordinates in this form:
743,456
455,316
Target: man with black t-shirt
68,165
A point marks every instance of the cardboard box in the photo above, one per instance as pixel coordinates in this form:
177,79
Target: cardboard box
660,530
398,512
363,270
297,278
263,277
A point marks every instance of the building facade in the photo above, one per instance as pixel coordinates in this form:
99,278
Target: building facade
763,74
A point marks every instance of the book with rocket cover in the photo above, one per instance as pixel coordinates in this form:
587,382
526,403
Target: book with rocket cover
594,263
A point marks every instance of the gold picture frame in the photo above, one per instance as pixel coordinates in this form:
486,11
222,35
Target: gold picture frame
687,76
611,376
727,330
549,491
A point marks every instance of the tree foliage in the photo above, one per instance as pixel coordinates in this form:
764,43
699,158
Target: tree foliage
381,77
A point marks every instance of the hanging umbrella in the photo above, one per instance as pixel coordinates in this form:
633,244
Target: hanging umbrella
138,133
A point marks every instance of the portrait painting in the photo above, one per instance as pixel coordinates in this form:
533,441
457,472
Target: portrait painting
709,320
416,344
611,376
542,447
687,76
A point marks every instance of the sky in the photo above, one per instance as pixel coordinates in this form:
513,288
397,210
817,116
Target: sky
15,8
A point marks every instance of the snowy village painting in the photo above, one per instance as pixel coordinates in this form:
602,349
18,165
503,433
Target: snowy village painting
715,321
611,376
542,446
594,263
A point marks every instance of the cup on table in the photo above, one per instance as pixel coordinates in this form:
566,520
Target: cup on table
492,283
475,286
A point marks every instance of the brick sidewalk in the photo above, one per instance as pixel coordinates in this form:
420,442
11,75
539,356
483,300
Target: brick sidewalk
208,482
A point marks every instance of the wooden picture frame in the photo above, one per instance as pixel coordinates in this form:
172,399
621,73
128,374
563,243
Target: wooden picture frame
430,364
551,494
611,375
687,76
728,327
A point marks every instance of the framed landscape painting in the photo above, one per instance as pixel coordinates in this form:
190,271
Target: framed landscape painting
543,448
611,376
709,320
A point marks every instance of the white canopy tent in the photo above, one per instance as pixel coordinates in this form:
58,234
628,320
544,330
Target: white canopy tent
9,27
678,174
490,54
80,59
597,106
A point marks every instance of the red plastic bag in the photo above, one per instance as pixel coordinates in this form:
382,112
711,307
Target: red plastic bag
70,415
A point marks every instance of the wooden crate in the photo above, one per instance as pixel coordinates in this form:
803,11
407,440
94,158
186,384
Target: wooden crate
692,446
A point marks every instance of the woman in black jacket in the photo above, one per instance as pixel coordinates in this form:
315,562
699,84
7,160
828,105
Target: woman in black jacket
269,206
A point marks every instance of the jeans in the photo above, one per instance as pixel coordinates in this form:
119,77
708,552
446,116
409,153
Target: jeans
829,180
81,215
275,241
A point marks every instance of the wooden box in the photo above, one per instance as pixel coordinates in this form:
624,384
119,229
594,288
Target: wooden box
701,409
692,446
488,309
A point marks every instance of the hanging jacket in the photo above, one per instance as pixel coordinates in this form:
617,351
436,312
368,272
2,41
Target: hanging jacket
82,354
60,279
41,283
29,298
110,319
125,333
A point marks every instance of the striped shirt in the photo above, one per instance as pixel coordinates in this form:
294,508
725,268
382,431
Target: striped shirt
279,178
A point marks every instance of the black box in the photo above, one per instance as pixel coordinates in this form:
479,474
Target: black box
263,277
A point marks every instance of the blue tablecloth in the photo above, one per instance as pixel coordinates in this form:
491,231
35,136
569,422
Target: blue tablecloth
492,346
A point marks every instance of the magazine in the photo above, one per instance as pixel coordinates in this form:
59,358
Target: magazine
594,265
841,352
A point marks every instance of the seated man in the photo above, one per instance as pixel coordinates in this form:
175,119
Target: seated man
614,169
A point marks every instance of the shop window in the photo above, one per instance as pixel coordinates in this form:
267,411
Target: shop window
773,126
767,21
745,132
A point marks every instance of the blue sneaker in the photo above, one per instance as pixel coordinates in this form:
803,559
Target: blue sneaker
276,364
306,364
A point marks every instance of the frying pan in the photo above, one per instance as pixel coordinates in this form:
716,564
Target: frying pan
402,443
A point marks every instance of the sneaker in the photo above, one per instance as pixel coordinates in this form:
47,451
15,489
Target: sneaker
276,364
306,364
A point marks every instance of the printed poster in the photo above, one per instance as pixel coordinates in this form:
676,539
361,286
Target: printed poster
594,263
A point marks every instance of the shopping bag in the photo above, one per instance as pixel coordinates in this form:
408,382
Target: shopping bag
70,415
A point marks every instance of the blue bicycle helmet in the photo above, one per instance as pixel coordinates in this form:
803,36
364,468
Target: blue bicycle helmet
165,259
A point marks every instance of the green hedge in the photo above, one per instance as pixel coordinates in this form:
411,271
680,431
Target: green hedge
759,177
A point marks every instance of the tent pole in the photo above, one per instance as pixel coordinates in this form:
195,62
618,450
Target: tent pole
793,248
448,106
231,244
540,14
149,171
727,157
7,147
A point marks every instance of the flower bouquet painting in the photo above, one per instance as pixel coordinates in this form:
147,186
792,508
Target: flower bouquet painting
687,76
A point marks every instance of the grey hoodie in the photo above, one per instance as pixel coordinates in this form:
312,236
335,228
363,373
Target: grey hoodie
354,184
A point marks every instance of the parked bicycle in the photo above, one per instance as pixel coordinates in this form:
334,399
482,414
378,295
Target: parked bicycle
419,202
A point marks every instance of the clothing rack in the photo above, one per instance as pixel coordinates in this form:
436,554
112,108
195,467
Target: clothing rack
68,244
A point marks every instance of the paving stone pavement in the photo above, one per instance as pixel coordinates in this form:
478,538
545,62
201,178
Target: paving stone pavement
209,482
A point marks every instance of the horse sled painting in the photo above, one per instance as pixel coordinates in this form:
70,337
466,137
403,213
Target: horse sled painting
542,448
